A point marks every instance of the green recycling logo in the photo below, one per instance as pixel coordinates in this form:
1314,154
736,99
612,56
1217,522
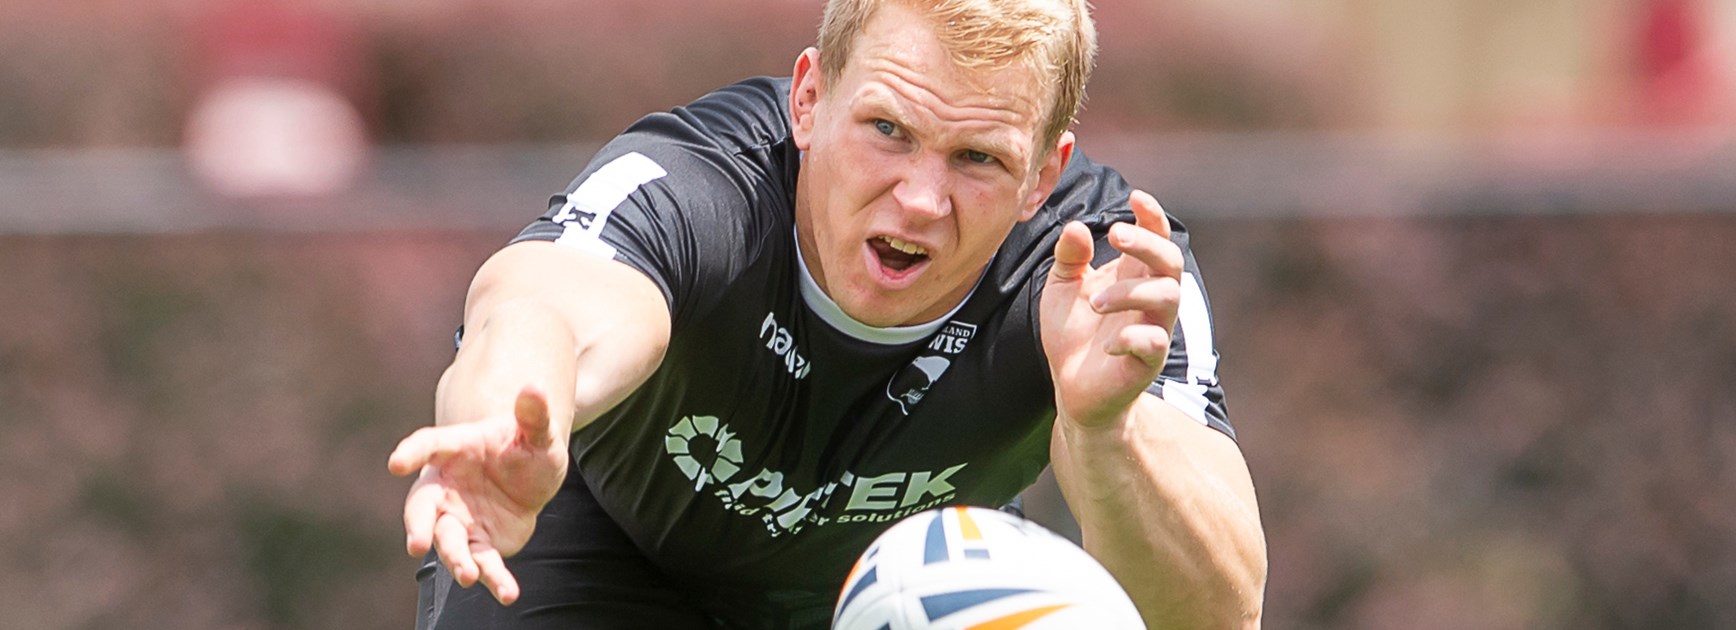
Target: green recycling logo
702,467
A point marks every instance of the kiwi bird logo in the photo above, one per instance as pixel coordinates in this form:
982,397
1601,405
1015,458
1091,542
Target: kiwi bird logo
910,384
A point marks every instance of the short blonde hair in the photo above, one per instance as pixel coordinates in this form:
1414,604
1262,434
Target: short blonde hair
1055,37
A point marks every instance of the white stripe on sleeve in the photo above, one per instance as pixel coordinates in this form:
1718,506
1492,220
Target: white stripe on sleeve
588,207
1188,397
1196,330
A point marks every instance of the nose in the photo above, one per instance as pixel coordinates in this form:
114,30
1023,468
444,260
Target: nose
926,188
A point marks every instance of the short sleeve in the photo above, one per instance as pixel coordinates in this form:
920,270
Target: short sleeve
688,197
673,212
1097,196
1189,380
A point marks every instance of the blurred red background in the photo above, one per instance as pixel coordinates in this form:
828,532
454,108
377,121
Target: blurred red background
1463,257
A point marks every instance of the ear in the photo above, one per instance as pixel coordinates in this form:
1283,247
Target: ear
1049,174
805,94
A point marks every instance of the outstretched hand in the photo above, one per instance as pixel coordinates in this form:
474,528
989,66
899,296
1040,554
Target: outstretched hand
1107,330
481,486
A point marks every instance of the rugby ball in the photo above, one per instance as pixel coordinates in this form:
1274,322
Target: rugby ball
967,568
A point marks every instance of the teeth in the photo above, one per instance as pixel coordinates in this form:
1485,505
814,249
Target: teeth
904,246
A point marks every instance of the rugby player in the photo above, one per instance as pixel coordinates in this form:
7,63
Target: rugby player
757,330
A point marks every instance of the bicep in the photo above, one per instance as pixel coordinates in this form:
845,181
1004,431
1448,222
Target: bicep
1211,450
618,317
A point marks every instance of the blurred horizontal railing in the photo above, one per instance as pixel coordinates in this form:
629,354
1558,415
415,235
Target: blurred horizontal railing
1202,175
155,191
1275,175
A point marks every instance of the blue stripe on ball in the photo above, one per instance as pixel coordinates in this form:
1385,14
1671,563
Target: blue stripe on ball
868,578
937,606
935,551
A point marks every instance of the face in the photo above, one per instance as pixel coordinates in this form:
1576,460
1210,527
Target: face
915,170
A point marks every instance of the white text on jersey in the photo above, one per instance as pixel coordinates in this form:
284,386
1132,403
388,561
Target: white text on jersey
953,337
782,344
881,492
710,454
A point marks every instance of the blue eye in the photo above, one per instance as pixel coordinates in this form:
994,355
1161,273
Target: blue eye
884,127
979,157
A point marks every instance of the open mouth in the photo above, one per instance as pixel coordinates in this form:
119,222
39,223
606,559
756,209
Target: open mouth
896,254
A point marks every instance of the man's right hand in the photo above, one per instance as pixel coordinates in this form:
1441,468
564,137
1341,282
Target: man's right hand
544,355
481,486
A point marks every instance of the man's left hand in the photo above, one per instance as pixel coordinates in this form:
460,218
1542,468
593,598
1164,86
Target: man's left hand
1107,330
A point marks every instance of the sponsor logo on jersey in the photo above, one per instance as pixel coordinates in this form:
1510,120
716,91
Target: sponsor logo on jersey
895,495
910,384
710,455
782,344
722,462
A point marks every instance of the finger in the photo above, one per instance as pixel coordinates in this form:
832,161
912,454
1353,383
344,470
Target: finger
1155,253
532,411
408,456
429,443
452,539
1148,213
1158,299
413,451
1072,253
421,509
493,573
1148,343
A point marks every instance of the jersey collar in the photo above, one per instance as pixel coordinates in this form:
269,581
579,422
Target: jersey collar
829,312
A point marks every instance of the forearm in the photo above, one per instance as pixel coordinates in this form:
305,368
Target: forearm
508,345
1166,505
553,337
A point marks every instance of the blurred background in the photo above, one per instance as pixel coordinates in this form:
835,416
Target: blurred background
1471,263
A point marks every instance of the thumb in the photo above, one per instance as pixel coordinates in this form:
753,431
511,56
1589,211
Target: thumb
532,411
1072,253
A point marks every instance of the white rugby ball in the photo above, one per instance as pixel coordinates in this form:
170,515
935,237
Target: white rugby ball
968,568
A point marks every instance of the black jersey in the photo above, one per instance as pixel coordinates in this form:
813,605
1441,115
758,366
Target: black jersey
779,437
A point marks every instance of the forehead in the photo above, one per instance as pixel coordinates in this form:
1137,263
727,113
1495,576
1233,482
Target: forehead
899,58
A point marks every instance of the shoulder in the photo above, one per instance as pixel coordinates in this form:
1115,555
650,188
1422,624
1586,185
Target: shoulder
731,146
1090,192
749,116
690,197
745,116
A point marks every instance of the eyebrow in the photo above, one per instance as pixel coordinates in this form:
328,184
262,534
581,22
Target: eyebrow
993,143
890,106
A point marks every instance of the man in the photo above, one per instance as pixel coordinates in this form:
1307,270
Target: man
776,320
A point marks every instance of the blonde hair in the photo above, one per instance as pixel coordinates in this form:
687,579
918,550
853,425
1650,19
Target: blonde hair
1055,37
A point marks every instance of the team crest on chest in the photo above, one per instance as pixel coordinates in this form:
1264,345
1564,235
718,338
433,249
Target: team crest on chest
911,383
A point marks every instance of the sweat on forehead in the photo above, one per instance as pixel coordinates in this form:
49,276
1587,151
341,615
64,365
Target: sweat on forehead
1056,37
